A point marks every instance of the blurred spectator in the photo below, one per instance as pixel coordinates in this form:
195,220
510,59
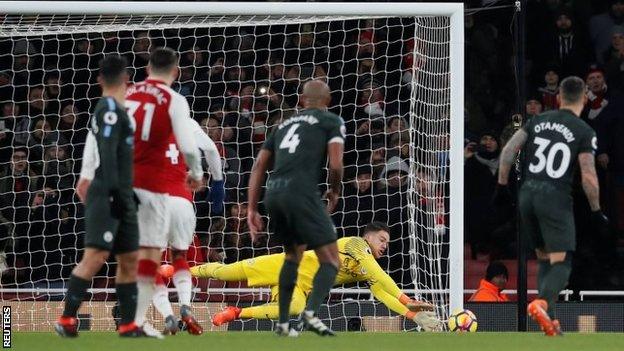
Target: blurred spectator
24,72
232,164
400,146
138,57
41,137
390,206
371,101
73,127
17,181
59,167
490,289
614,60
305,48
17,176
216,86
550,90
567,47
609,125
601,25
533,107
17,122
53,84
395,125
355,207
37,102
598,96
480,178
237,241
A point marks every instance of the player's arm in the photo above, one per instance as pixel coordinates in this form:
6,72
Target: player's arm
107,136
211,153
590,179
258,173
385,290
180,112
335,148
90,163
209,149
509,154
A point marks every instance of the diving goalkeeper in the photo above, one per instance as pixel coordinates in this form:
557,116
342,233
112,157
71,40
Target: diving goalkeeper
357,263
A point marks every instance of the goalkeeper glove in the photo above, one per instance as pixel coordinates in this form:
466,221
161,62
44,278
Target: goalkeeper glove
217,196
427,320
417,306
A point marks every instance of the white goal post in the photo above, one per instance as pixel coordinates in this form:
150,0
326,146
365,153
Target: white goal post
435,103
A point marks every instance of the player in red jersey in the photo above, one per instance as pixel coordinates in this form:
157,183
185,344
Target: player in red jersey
216,197
164,150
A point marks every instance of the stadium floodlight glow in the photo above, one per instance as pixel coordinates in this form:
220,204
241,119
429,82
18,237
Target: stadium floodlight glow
429,247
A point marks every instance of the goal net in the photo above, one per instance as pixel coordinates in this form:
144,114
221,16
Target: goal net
395,72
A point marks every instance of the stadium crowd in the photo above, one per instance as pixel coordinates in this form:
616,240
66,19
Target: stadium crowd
240,82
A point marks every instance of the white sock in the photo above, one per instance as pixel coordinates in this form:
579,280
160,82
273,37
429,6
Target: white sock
161,301
145,287
184,284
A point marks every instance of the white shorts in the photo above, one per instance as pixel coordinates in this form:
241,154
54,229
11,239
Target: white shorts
182,223
165,220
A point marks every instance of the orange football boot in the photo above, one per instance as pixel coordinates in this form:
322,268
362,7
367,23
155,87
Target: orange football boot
537,311
229,314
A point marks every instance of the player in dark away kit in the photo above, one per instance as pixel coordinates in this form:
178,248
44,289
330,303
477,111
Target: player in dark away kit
110,206
298,148
552,143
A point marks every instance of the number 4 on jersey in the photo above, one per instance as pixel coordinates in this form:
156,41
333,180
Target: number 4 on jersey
291,140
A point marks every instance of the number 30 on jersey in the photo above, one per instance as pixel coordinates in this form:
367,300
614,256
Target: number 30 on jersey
547,160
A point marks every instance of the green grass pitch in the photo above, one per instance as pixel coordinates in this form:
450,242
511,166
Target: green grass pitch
260,341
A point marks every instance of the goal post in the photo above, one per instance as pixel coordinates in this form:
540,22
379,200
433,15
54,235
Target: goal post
430,98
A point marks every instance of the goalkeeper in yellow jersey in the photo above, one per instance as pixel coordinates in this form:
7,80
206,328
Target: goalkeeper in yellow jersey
357,263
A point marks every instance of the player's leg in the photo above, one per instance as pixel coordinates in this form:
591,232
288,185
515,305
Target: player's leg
543,267
281,209
322,283
126,289
325,276
163,306
271,310
126,247
79,281
556,279
181,232
101,228
556,222
317,230
153,217
288,281
232,272
146,280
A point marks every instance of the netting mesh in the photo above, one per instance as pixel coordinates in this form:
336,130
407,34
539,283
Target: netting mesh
241,75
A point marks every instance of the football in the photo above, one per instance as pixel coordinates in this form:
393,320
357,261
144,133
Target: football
462,321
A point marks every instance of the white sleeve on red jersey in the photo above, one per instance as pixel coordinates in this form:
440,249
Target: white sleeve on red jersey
209,149
180,113
90,158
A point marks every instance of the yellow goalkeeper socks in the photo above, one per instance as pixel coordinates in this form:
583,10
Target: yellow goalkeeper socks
215,270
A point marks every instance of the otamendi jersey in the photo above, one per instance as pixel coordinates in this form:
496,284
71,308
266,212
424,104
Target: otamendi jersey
555,139
299,145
